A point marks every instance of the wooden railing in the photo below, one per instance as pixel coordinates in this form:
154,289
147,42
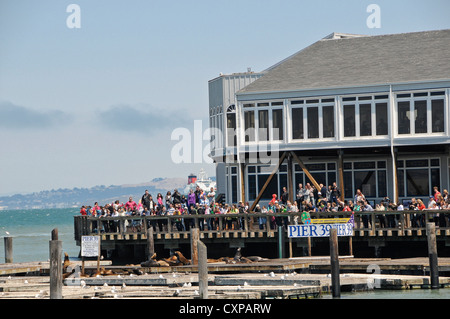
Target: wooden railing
371,222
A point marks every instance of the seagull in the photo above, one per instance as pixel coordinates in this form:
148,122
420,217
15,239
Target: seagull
25,282
196,292
161,276
187,284
113,290
283,277
124,286
271,274
82,283
105,285
7,232
246,283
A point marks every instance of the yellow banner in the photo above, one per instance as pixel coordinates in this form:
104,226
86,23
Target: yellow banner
330,220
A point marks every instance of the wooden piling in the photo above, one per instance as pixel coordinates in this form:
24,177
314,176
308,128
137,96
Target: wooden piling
334,256
280,242
195,236
202,270
150,242
56,279
8,250
432,254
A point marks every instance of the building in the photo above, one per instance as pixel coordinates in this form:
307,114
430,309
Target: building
368,112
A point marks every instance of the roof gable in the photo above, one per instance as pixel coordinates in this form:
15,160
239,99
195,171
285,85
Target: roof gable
358,61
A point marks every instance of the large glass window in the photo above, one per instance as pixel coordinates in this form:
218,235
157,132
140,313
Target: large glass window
404,126
313,122
381,118
297,123
328,121
365,119
368,176
249,119
349,120
231,129
420,114
263,127
277,124
437,116
418,177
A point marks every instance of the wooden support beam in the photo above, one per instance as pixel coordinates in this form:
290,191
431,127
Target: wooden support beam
341,174
261,192
242,167
290,178
305,170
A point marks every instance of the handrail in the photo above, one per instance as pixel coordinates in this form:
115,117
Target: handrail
370,221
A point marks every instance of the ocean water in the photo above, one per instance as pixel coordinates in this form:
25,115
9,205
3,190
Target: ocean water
31,231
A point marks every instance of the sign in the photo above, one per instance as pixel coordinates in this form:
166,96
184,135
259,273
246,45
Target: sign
319,230
90,246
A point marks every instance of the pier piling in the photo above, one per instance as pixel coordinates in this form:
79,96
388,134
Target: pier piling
8,250
56,279
334,256
432,254
202,270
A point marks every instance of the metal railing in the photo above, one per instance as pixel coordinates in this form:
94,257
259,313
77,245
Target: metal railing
366,221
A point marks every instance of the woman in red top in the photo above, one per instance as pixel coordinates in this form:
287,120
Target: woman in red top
83,211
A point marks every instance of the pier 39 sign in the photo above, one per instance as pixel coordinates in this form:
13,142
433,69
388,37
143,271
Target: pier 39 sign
311,229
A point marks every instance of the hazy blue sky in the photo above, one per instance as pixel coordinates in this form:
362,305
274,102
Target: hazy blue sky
97,105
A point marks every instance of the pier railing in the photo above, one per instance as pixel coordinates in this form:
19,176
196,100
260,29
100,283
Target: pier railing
371,223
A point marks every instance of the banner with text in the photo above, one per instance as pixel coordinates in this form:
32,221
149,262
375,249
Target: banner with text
319,230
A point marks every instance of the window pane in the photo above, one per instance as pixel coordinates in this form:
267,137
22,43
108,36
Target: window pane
401,182
348,185
417,182
349,120
381,118
366,182
298,180
420,113
251,187
365,120
272,188
313,122
263,125
297,123
328,121
249,118
435,178
231,129
234,189
403,118
437,115
382,189
277,120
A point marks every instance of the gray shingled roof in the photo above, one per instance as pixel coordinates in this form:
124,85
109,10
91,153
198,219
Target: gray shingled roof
360,61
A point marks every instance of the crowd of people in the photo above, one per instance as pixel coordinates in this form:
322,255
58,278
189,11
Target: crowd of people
325,201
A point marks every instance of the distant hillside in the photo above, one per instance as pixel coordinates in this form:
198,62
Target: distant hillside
76,197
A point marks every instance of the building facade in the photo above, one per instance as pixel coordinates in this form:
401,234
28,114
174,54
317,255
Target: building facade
368,112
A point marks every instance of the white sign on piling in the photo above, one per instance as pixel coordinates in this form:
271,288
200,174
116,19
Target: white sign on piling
90,246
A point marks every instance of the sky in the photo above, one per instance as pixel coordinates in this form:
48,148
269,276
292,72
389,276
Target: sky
97,105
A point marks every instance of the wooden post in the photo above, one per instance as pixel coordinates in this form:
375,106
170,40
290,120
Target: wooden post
55,266
202,270
334,256
242,168
8,250
309,247
432,254
195,236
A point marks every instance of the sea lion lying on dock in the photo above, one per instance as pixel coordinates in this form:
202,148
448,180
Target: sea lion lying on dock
153,262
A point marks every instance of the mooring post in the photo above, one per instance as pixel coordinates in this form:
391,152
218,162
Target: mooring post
202,270
8,250
334,256
195,236
150,242
55,266
280,242
433,256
